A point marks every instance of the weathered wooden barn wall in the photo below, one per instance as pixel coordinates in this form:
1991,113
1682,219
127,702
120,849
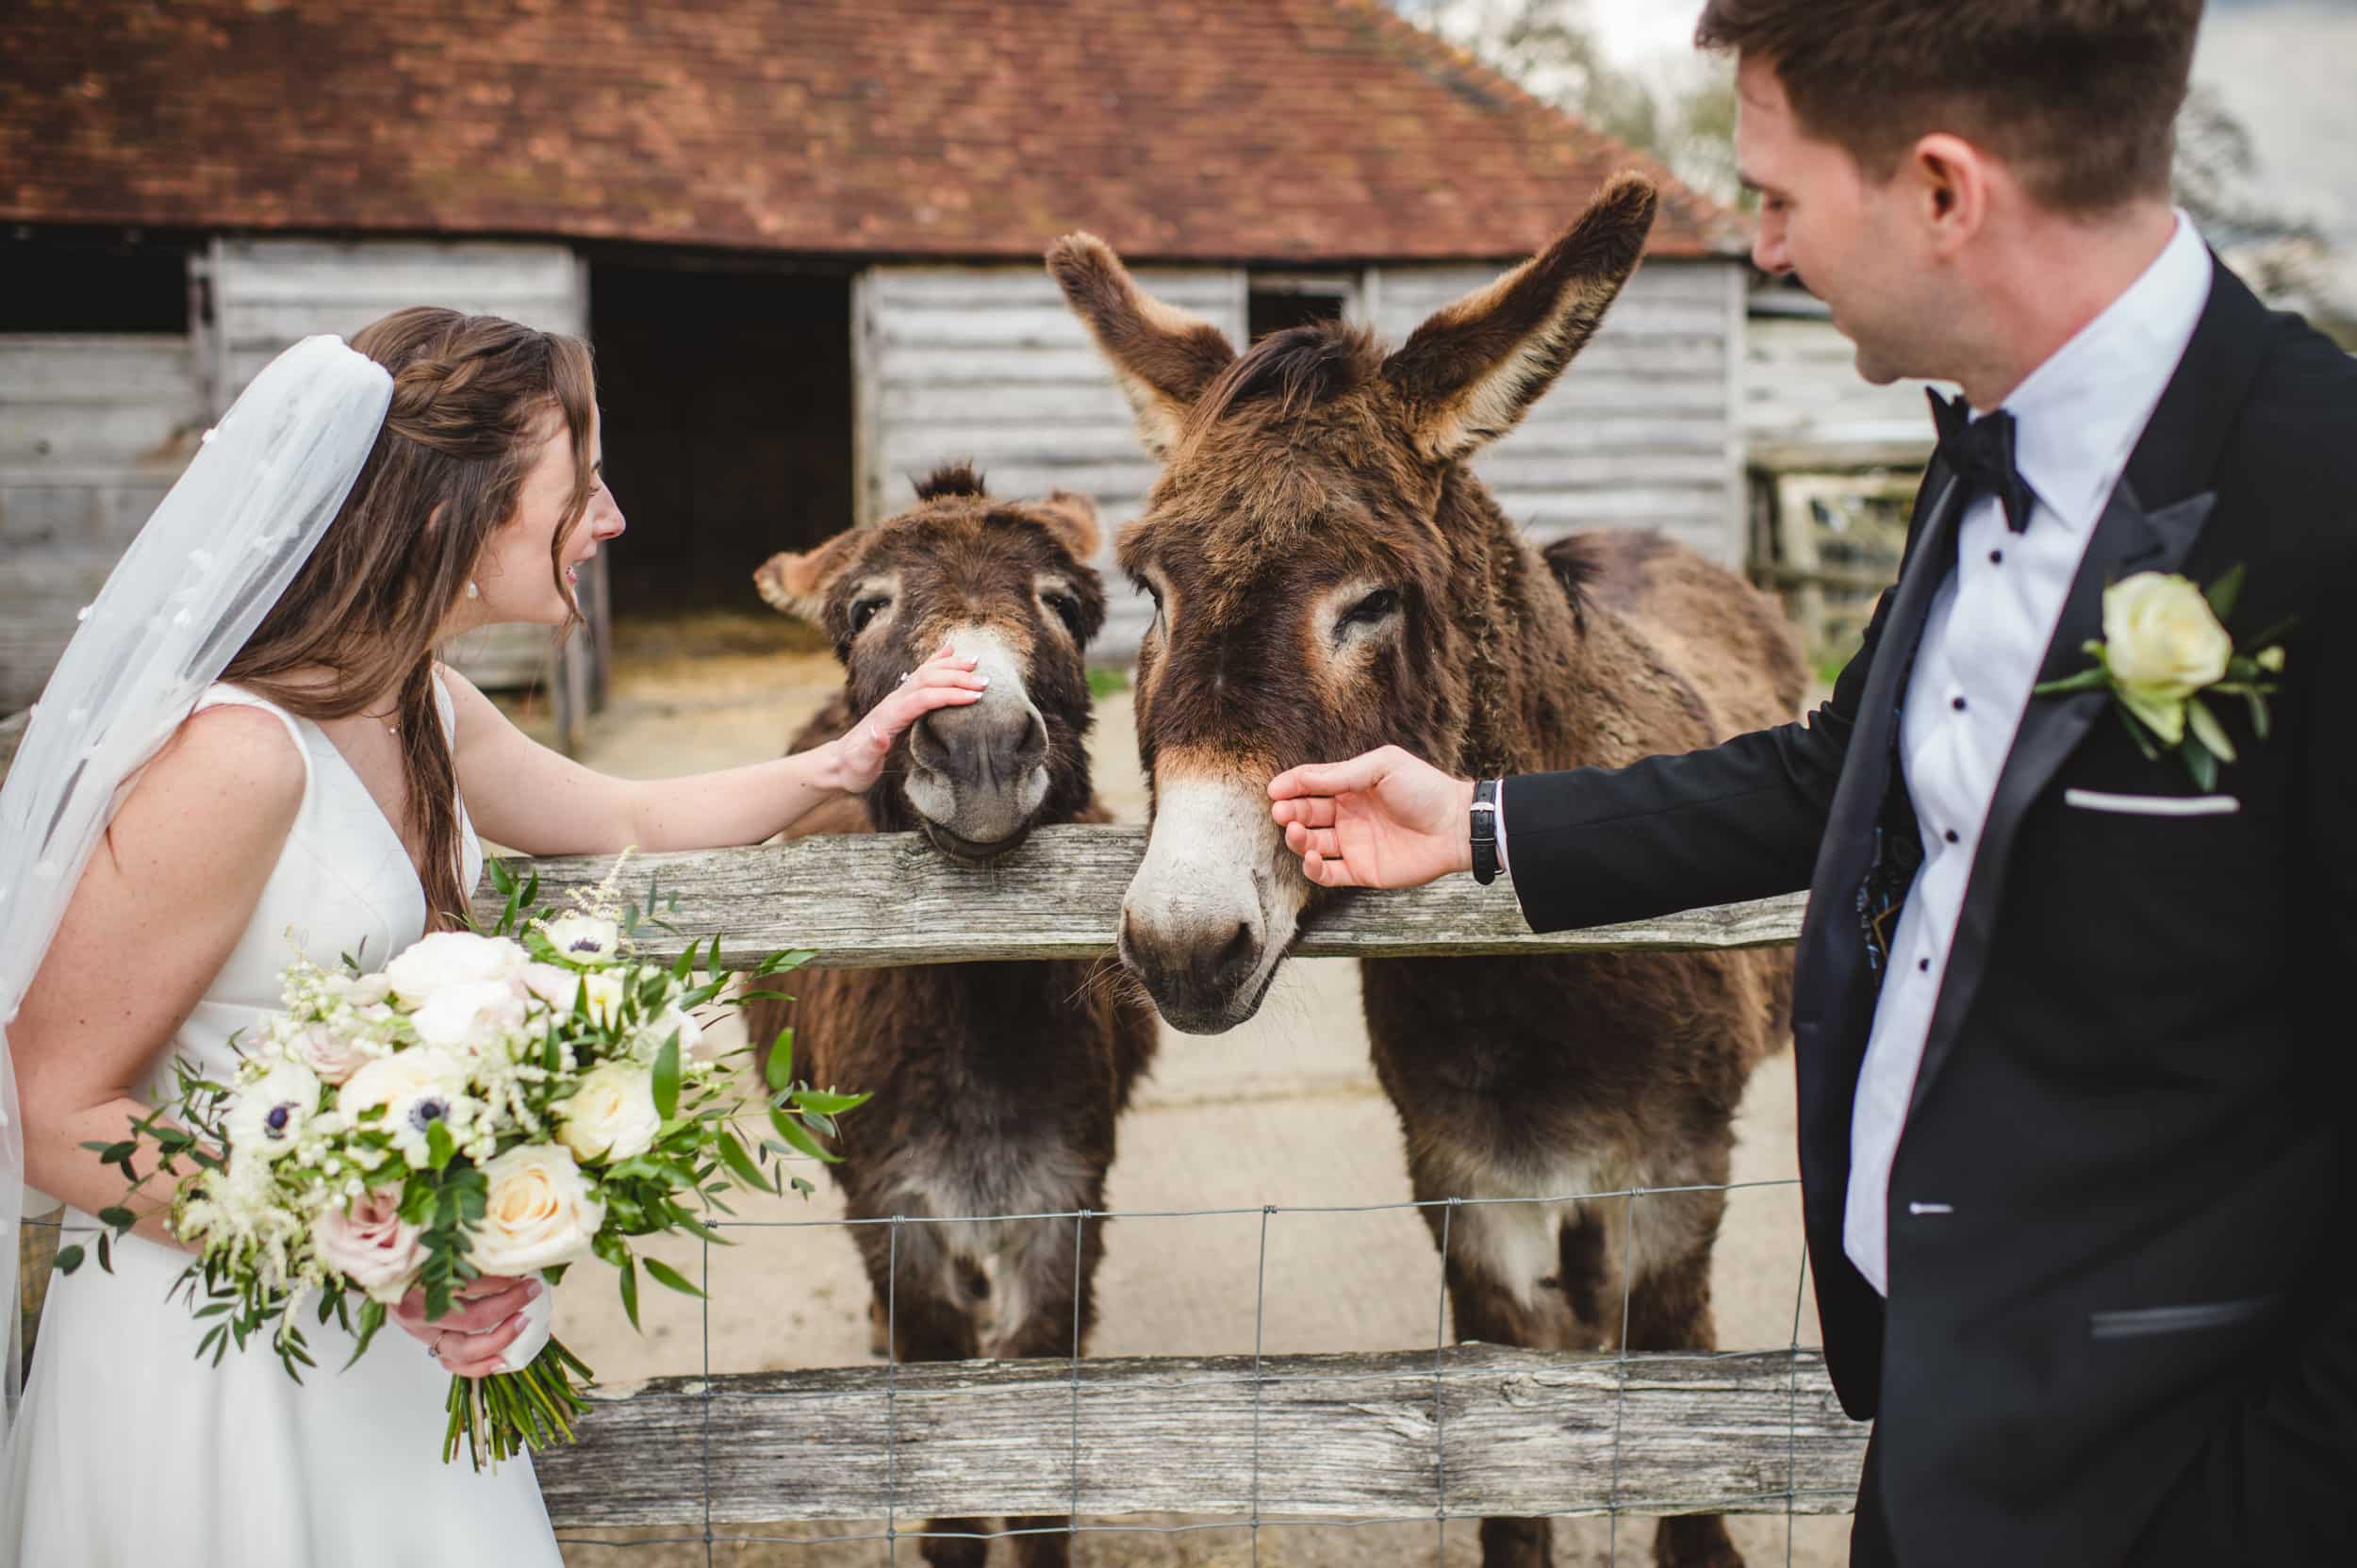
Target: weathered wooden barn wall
1640,431
988,363
93,430
1804,405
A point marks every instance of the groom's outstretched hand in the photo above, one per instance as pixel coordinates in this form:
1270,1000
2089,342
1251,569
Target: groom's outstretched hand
1385,820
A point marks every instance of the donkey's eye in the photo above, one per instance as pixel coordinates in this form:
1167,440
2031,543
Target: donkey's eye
1067,610
1375,606
863,610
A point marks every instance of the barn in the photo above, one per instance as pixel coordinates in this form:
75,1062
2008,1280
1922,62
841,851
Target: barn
804,238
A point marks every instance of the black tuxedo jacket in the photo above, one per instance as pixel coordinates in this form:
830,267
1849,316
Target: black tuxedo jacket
2134,1337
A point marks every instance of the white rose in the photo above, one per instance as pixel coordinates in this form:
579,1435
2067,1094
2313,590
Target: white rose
413,1086
267,1115
2162,644
452,958
370,1244
539,1212
326,1053
469,1016
553,984
611,1114
583,938
658,1029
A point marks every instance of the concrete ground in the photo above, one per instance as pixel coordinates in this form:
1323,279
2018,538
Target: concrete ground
1284,1111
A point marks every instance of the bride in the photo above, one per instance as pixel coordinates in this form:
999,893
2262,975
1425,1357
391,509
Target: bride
248,749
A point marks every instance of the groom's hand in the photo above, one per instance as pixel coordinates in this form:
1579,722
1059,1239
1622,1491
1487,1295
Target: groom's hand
1385,820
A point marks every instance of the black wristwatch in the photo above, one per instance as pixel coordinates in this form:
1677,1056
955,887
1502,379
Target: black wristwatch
1485,832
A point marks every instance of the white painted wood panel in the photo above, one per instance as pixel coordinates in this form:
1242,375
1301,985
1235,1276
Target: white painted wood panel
1804,403
93,430
1640,431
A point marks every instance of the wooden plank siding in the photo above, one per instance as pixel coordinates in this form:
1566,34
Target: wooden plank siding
1804,405
987,363
93,430
1640,431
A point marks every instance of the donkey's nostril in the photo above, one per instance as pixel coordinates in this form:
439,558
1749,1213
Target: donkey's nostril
1031,749
1239,952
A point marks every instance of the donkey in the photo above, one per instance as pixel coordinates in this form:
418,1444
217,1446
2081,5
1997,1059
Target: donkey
1328,576
997,1086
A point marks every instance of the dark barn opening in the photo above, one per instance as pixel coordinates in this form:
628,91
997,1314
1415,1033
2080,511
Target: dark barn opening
726,398
1271,307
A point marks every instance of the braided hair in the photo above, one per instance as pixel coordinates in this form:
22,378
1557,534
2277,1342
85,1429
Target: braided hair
472,397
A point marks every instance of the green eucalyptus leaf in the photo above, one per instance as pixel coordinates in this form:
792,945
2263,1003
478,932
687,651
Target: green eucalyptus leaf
2201,764
667,1079
665,1274
827,1102
742,1164
2207,730
778,1074
69,1258
630,1292
798,1138
2226,592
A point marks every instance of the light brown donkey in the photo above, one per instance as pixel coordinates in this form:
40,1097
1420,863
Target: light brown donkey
1330,577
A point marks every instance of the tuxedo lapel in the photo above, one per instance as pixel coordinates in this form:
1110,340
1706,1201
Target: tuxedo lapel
2173,458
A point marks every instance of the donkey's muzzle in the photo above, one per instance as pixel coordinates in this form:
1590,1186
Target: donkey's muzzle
1203,974
979,771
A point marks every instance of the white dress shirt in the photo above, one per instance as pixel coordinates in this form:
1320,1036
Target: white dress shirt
2077,419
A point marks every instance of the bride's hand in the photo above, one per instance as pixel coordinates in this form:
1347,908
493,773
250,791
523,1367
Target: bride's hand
945,681
485,1316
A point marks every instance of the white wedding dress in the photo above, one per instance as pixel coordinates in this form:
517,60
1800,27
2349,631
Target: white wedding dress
128,1452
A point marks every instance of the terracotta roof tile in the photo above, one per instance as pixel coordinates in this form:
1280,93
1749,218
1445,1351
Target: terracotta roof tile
1276,130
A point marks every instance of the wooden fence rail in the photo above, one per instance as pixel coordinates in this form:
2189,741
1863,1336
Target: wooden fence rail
874,900
1480,1429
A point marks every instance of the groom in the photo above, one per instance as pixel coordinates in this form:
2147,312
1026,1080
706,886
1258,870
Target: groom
2072,1022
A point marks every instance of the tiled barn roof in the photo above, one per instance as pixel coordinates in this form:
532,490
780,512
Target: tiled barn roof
1274,130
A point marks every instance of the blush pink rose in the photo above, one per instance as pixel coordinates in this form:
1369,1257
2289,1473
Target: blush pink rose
370,1244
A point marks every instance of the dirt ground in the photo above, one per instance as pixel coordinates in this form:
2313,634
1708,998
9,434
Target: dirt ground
1284,1111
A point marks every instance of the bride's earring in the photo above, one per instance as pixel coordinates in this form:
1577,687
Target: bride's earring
472,592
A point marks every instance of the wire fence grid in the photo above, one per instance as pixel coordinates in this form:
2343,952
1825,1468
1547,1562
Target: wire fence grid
896,1527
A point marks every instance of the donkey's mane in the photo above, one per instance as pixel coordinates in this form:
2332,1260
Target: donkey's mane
951,479
1295,367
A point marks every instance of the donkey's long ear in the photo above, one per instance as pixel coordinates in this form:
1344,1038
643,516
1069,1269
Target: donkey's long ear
1162,356
1071,517
796,584
1470,372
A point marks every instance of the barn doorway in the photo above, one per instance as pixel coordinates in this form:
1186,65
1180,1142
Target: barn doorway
727,400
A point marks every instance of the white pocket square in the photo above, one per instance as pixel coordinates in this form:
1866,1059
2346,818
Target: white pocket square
2153,805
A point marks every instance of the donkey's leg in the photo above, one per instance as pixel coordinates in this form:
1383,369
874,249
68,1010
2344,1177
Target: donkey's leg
1669,1309
1049,1274
1502,1271
927,1324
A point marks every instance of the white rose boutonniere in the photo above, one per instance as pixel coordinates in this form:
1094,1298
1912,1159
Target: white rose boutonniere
2164,645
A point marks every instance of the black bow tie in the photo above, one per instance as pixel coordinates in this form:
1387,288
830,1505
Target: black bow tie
1980,454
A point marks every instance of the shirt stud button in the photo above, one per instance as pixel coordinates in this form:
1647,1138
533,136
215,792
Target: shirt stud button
1924,965
1952,836
1996,557
1957,703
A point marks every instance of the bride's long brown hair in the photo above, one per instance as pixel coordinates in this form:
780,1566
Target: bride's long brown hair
471,395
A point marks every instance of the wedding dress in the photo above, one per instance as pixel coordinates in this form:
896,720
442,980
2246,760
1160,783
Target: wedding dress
129,1452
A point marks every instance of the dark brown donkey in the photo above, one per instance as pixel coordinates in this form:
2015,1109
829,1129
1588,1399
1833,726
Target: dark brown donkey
998,1085
1330,577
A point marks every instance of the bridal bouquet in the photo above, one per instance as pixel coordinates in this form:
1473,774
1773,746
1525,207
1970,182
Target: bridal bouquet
485,1104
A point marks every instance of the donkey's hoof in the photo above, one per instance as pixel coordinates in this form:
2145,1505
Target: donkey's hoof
1694,1540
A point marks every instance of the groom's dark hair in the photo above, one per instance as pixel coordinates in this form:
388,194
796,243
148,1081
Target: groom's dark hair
2079,96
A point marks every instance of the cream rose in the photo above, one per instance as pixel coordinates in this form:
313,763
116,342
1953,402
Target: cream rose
471,1016
326,1052
553,984
370,1244
452,958
2162,644
539,1212
268,1115
611,1116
